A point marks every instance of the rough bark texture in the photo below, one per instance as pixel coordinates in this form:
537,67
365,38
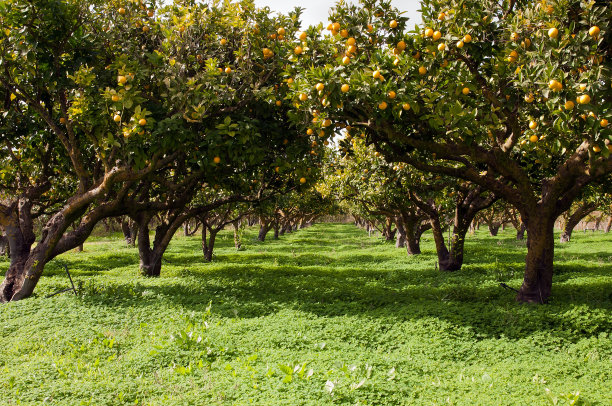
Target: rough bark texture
537,282
264,227
150,259
573,220
237,239
208,244
608,225
4,246
494,229
520,231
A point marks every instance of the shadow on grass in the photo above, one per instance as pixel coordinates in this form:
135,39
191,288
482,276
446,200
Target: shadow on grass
366,279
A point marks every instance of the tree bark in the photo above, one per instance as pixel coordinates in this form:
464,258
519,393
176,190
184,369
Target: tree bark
574,219
520,231
537,281
150,259
264,227
127,232
4,246
608,225
493,229
400,241
237,239
208,244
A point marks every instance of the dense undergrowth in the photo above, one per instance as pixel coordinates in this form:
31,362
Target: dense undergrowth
326,315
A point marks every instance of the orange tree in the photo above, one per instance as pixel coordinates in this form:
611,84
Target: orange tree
122,92
512,96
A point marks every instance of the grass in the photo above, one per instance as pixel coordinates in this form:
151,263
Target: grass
323,316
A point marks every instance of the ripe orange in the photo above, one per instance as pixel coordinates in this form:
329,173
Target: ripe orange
303,35
297,50
401,45
62,120
429,32
533,138
320,87
228,70
278,103
406,106
596,148
346,60
217,160
393,24
280,31
382,105
303,97
302,180
145,28
336,26
603,122
460,44
376,74
344,88
568,105
392,94
121,10
584,99
467,39
117,118
344,33
422,70
151,13
441,47
142,122
223,41
514,36
436,35
529,98
553,33
121,79
555,85
465,91
594,31
327,122
533,124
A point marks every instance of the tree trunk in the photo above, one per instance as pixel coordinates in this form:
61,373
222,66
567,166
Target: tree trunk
237,239
208,245
411,225
4,246
608,225
537,281
493,229
263,231
150,260
276,228
127,232
400,241
520,231
574,219
441,249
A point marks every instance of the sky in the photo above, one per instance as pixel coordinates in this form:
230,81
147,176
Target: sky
318,10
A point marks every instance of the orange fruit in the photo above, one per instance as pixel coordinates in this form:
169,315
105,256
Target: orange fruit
594,31
142,122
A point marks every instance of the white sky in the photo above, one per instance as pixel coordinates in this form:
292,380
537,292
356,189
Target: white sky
318,10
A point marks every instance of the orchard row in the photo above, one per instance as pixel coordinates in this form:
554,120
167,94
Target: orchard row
166,113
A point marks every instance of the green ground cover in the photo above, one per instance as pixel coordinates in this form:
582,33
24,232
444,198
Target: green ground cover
323,316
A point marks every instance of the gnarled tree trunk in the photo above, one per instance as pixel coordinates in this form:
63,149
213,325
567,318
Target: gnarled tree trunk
573,220
237,239
537,282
